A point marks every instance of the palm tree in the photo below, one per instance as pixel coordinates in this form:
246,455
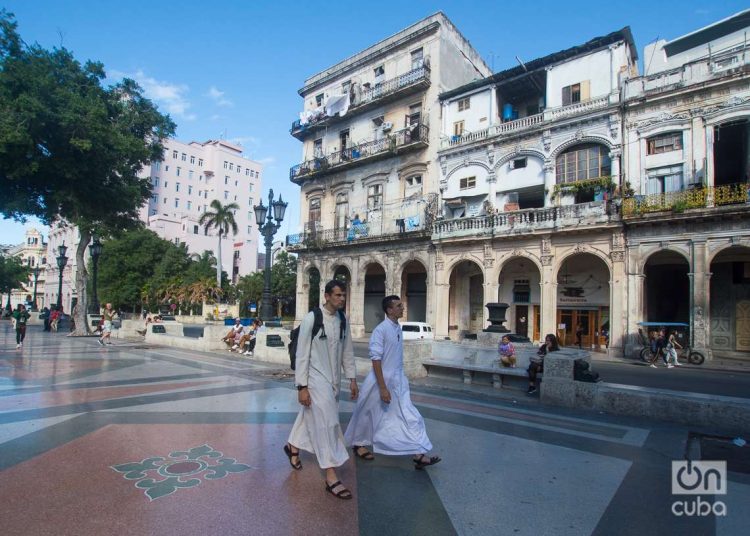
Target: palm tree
221,218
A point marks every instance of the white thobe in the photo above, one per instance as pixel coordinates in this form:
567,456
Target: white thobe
319,363
396,428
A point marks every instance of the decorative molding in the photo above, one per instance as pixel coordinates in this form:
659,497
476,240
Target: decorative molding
618,256
661,119
547,140
546,245
547,260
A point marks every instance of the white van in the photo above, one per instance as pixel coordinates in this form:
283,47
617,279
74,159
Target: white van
416,330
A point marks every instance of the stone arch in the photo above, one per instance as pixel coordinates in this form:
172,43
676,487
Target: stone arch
461,258
413,257
373,284
364,264
572,142
520,286
578,250
414,288
520,153
729,300
466,281
643,258
467,164
743,243
508,257
728,113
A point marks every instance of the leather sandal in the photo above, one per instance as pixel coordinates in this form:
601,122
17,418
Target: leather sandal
342,493
290,455
367,455
423,461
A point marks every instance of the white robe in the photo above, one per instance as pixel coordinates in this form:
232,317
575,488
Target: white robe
319,363
396,428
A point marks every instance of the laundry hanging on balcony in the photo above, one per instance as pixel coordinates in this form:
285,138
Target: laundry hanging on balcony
338,104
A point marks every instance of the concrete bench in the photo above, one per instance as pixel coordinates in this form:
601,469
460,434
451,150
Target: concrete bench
475,372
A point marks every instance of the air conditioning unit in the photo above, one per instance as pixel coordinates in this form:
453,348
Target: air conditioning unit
387,125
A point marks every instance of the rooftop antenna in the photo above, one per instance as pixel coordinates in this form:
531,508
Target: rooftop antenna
652,56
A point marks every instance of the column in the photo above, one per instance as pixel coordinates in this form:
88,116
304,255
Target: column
636,312
699,297
548,303
614,157
303,287
549,183
617,305
441,318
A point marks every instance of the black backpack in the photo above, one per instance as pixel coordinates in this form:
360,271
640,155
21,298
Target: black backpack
582,372
317,326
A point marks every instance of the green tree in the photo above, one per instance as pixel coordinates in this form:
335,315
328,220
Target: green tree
284,280
13,274
71,149
221,218
250,289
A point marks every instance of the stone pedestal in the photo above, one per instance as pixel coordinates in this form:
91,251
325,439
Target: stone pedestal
272,354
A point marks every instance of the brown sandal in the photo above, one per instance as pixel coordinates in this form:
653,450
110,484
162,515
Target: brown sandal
423,461
290,455
367,454
342,494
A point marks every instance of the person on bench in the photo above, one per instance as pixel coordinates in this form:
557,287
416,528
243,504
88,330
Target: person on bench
507,352
232,339
537,362
247,342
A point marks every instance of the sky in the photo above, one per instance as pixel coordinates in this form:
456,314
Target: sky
231,69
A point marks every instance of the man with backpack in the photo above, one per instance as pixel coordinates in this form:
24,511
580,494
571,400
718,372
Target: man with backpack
324,347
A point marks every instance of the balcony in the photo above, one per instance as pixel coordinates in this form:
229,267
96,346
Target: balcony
547,219
530,122
678,202
411,138
402,219
379,94
719,64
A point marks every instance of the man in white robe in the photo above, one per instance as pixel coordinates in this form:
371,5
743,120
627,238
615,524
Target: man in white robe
320,360
385,416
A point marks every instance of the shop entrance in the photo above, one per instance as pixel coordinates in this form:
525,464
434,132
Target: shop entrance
593,323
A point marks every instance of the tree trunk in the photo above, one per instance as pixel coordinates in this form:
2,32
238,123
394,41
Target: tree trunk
218,263
81,307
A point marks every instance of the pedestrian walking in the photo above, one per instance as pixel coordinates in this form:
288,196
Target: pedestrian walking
322,352
21,317
579,336
108,315
671,351
385,417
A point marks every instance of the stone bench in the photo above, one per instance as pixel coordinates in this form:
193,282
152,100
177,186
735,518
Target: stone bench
474,372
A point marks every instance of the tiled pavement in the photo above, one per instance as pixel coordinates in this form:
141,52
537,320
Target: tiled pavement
134,439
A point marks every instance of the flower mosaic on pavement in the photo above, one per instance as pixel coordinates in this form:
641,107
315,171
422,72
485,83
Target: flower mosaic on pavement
160,476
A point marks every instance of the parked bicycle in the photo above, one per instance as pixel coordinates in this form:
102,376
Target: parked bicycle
686,353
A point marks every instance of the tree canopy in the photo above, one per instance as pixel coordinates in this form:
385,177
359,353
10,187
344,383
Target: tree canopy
13,274
221,218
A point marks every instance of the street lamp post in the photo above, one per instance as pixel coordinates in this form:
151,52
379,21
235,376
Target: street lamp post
62,260
35,271
268,229
95,249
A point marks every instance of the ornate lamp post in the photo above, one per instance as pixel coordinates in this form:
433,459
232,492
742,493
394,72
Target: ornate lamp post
35,271
268,230
95,249
62,261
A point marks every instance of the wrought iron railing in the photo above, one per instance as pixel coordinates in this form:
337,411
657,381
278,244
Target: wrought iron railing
389,87
389,142
729,194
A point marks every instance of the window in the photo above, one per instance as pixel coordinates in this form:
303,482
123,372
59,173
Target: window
177,187
189,205
190,174
195,228
415,114
166,183
249,229
458,128
226,194
231,166
155,198
176,202
226,179
664,143
576,93
313,211
251,187
164,200
378,71
174,155
518,163
583,162
184,157
192,159
417,59
318,148
156,181
157,166
200,178
166,168
414,180
239,169
346,87
344,139
467,182
413,185
226,164
464,104
664,179
247,171
200,162
342,211
319,100
190,189
178,171
235,183
375,197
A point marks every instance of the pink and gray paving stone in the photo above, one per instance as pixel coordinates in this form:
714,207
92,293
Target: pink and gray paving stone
137,439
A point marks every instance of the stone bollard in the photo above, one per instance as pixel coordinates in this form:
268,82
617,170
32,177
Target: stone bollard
557,386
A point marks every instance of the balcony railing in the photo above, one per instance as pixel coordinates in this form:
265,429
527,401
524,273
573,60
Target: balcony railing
729,194
549,115
415,78
525,221
411,217
413,136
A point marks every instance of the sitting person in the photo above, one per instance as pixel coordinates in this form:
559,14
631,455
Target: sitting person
507,352
232,339
54,319
537,363
247,342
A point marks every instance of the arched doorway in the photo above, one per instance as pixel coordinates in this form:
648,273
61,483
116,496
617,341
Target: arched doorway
518,286
466,296
313,288
414,291
374,293
730,301
583,302
342,274
667,288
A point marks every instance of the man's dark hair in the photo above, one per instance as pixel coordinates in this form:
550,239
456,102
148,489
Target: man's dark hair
332,284
388,300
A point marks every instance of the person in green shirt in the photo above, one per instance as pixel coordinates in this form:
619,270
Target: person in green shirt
21,316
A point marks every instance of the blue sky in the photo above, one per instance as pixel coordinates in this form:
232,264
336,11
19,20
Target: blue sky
232,68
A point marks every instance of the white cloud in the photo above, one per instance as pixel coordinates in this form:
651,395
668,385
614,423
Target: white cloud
218,97
215,117
267,161
172,97
245,140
